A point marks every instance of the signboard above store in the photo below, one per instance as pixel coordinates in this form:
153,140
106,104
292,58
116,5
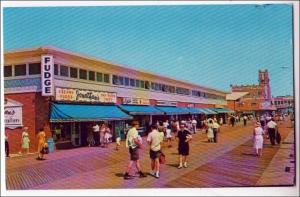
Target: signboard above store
136,101
12,114
166,103
78,95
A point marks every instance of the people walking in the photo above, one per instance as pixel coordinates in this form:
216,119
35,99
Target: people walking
245,120
210,132
25,141
41,144
221,121
232,121
6,145
216,128
155,139
194,125
133,144
96,130
184,137
169,136
272,126
258,139
107,136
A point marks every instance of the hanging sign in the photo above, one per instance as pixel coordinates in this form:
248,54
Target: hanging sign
47,75
166,103
136,101
78,95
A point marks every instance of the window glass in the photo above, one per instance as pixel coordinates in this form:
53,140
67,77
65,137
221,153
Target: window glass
137,83
126,81
64,71
99,77
147,85
132,82
55,69
106,78
142,84
115,80
20,70
7,71
35,68
121,80
73,72
91,75
82,74
152,86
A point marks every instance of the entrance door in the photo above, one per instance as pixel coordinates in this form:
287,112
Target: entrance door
76,134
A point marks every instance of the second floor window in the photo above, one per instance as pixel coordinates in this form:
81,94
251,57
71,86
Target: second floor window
35,68
20,70
82,74
64,71
73,72
7,71
92,75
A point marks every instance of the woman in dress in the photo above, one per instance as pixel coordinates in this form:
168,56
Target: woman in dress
184,137
41,143
169,136
210,131
107,136
258,139
25,141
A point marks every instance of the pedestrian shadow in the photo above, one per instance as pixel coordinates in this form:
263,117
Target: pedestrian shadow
172,165
119,174
249,154
174,153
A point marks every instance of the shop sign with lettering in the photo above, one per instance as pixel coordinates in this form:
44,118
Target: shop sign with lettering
166,103
12,114
78,95
136,101
47,75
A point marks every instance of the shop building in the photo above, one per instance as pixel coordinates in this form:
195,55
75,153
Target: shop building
67,92
284,104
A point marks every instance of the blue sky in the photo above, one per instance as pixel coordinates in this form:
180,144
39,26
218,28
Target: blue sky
210,45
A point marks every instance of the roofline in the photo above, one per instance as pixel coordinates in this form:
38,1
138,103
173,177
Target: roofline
47,48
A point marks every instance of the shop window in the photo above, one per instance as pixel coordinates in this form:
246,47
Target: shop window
73,72
115,80
55,69
34,68
126,81
121,80
143,84
106,78
20,70
64,71
147,85
99,77
132,82
91,75
137,83
7,71
82,74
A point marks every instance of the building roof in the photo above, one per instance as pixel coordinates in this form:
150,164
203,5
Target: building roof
235,95
49,49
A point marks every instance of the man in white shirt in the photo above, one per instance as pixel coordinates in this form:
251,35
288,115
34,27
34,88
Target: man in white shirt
216,127
155,139
133,143
272,126
96,134
245,120
194,125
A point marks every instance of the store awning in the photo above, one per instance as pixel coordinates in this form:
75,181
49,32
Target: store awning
81,113
208,111
194,110
223,110
173,110
141,110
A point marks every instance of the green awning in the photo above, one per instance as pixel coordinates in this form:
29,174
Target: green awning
208,111
141,110
194,110
223,110
83,113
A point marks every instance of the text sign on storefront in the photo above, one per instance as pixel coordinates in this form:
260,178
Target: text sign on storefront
78,95
166,103
136,101
191,105
47,75
12,114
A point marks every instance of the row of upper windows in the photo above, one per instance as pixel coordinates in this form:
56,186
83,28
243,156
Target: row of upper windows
282,102
78,73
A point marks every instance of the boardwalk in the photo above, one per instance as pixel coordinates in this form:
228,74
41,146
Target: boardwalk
228,163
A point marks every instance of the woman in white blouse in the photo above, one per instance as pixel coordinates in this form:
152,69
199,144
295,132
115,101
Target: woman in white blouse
258,139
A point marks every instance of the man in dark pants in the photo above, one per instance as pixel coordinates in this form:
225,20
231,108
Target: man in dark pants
272,126
6,146
232,120
96,130
216,128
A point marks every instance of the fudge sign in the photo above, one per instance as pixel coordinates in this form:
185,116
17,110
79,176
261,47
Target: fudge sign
47,75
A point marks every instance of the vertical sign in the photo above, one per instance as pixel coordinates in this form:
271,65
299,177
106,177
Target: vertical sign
47,75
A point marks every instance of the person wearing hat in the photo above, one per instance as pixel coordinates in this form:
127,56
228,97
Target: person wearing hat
25,141
258,139
184,137
133,144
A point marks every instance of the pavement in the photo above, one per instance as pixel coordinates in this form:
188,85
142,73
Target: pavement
228,163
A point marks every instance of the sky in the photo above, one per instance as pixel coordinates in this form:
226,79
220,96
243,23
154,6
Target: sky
209,45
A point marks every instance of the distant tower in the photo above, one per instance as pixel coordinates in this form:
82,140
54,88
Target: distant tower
264,80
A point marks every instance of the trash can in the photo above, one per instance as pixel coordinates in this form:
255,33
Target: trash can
50,145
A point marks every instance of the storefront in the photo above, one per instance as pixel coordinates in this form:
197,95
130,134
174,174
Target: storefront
223,113
75,111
